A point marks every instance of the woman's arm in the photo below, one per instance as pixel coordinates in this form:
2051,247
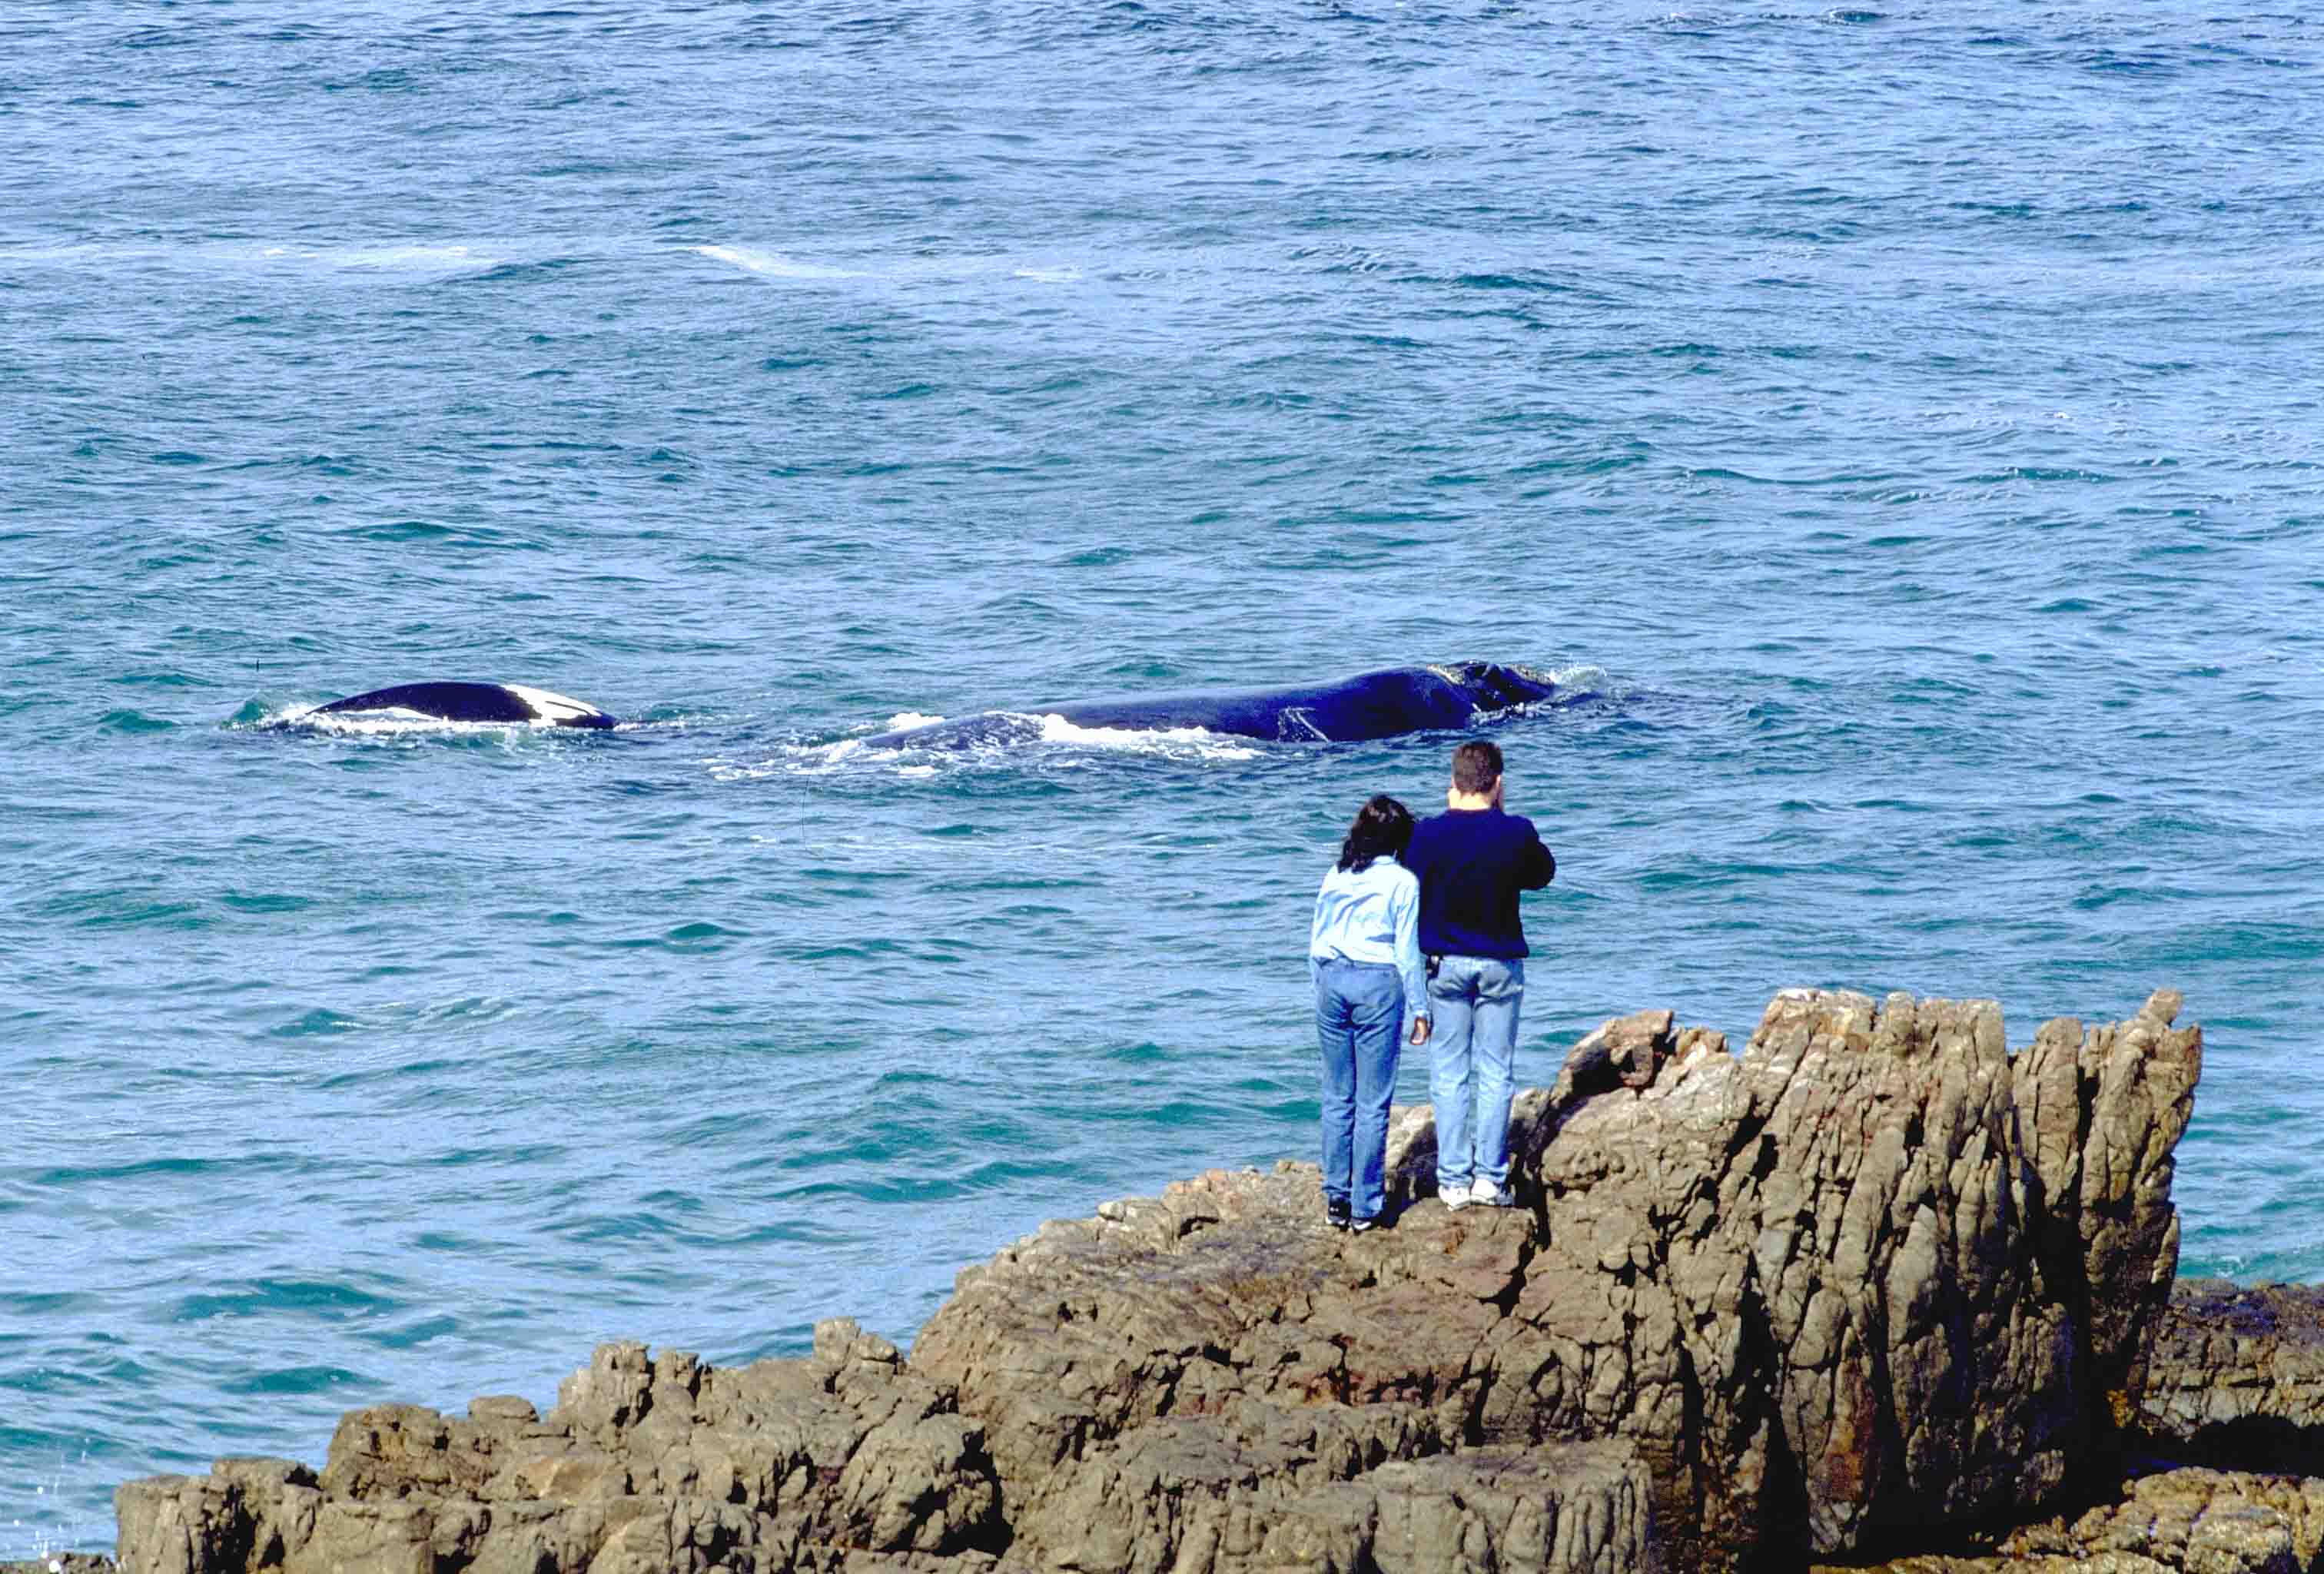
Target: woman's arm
1315,927
1404,912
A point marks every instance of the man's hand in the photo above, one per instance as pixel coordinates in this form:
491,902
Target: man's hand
1419,1030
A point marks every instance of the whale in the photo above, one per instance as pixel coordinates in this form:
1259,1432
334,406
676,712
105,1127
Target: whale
472,701
1369,705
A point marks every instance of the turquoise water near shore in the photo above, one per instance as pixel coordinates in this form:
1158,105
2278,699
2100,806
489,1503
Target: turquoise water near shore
1903,422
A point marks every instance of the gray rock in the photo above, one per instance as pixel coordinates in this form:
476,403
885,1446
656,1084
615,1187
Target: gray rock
2236,1376
2177,1522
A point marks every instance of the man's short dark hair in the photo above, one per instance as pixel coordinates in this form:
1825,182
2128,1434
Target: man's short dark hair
1476,767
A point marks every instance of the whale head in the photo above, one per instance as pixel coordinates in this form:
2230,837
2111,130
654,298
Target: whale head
1495,685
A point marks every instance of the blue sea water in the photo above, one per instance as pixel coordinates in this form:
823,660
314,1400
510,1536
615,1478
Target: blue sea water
1903,422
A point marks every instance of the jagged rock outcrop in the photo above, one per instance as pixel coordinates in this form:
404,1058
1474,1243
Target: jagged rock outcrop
1872,1278
644,1466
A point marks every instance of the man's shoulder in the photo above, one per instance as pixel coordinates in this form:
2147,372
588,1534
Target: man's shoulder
1428,828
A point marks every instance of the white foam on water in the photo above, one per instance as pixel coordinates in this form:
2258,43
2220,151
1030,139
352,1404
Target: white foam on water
396,721
1586,675
799,759
1176,742
410,257
81,251
1007,749
774,264
389,257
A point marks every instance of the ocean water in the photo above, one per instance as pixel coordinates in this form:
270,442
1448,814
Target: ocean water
1901,425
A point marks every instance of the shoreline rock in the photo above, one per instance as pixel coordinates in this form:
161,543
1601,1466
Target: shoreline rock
1874,1287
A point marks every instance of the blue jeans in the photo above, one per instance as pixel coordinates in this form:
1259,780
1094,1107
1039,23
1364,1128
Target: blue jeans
1359,1023
1472,1054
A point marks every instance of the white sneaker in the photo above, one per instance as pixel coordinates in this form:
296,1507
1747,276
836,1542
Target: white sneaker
1485,1194
1457,1198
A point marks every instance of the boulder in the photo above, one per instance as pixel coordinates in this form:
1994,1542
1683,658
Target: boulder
2190,1520
2236,1376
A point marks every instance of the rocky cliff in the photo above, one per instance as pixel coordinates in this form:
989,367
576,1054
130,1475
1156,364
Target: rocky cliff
1874,1285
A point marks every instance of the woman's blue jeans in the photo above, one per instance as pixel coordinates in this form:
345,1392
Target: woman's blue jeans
1359,1024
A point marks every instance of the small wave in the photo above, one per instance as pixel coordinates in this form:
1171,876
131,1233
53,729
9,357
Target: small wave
774,264
408,258
384,257
78,252
1586,678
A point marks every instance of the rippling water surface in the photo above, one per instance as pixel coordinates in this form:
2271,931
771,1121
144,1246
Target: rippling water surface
1903,423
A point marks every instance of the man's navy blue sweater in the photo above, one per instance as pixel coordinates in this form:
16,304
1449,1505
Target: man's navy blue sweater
1472,864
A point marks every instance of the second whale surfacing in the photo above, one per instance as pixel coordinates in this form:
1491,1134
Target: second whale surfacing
1367,706
472,701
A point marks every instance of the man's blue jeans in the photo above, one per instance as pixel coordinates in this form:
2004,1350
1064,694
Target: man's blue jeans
1359,1023
1472,1055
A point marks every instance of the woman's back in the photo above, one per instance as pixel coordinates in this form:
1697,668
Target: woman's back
1357,909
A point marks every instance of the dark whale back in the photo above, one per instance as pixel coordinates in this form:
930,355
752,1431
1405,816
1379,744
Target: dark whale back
473,701
1375,704
1369,705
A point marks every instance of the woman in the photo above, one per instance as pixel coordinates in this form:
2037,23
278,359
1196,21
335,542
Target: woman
1364,951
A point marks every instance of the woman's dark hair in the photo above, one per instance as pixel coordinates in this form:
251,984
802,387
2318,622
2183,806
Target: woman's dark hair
1382,825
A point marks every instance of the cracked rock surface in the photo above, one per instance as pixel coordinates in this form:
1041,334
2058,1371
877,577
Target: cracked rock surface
1874,1278
2189,1521
2237,1374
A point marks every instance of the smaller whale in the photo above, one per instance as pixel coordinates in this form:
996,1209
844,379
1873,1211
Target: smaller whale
1367,706
472,701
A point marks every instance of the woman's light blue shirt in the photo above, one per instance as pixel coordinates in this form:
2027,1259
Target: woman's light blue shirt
1372,915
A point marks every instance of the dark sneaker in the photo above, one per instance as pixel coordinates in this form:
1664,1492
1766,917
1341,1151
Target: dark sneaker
1358,1227
1335,1214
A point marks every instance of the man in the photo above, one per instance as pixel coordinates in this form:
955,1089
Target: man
1473,860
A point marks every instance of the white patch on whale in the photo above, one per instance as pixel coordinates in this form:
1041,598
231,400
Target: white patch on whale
552,707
